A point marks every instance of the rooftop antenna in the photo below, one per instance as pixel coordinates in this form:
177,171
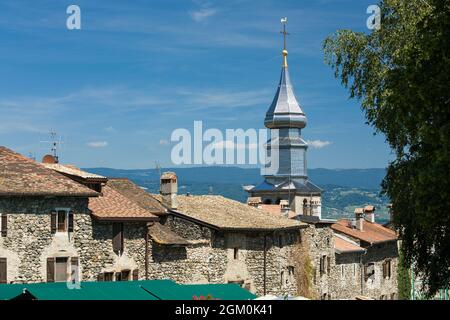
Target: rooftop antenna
32,156
55,141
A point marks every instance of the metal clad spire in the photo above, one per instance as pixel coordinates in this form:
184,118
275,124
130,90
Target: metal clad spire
285,111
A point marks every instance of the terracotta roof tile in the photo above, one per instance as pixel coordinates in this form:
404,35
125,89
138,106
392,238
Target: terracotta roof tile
225,213
114,206
342,245
137,195
20,176
74,171
371,233
164,236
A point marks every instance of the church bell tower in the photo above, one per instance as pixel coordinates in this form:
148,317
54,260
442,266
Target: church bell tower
289,180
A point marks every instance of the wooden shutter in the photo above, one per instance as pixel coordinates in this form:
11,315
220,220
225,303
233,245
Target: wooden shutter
385,269
322,261
70,221
101,277
3,271
328,265
118,237
53,221
135,274
366,272
50,269
4,223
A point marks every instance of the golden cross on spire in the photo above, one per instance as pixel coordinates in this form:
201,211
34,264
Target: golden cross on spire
284,22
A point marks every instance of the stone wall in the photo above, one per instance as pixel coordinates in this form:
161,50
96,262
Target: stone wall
30,242
215,260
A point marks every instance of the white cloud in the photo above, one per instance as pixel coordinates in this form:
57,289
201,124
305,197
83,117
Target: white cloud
202,14
97,144
318,144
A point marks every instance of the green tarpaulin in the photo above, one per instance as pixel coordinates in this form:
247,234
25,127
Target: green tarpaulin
126,290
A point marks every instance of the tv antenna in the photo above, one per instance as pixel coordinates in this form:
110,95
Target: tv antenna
55,142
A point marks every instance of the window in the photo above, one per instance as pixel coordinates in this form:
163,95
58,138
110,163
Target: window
369,271
3,270
60,269
393,296
323,264
354,270
387,269
280,241
62,225
342,271
118,238
236,254
123,276
61,220
282,278
108,276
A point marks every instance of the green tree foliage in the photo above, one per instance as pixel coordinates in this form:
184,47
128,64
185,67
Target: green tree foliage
400,73
403,279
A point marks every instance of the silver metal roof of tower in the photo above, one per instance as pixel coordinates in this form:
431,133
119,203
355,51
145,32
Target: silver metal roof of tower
285,111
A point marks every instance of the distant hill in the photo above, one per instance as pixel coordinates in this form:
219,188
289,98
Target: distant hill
356,178
343,189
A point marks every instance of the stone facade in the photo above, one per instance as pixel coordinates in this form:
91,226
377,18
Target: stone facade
30,241
254,260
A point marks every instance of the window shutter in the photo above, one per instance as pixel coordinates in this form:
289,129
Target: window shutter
117,237
101,277
53,221
3,271
328,265
4,223
50,269
70,221
321,265
135,274
366,273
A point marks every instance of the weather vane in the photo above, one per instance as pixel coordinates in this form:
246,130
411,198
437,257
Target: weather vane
284,22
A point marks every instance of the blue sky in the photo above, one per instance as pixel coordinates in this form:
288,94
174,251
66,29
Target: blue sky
137,70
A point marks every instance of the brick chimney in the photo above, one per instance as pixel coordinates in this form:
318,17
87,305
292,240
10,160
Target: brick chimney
359,215
369,213
169,189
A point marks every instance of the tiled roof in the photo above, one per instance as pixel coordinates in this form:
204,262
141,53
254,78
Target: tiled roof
114,206
225,214
74,171
164,236
371,233
343,245
138,195
20,176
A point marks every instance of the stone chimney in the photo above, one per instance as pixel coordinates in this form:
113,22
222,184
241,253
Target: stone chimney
359,215
169,189
254,201
285,208
369,213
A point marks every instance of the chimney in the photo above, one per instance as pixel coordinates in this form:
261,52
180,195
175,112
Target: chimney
359,215
169,189
254,201
285,208
369,213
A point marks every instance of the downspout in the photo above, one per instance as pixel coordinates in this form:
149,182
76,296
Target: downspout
146,249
